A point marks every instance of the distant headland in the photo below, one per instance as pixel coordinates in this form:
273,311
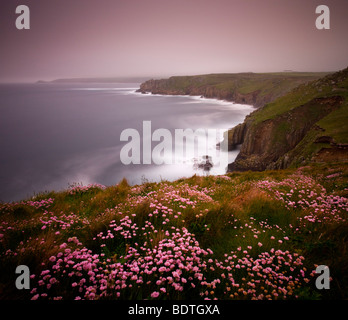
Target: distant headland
98,80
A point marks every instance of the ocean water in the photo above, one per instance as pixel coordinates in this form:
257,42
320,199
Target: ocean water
55,135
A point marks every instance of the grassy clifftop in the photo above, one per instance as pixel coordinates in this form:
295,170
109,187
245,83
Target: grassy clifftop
254,235
335,84
249,88
310,123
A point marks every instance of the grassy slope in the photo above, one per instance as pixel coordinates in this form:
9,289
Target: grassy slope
334,124
258,225
245,83
331,85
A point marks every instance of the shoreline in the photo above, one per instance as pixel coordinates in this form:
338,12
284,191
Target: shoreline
220,102
201,98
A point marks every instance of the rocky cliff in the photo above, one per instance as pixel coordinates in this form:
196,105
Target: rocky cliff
244,88
296,128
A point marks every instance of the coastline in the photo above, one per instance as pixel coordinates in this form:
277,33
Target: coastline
256,89
198,98
194,112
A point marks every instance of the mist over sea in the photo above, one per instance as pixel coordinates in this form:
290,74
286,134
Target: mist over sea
54,135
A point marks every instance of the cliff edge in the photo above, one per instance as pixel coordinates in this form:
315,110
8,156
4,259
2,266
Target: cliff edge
308,124
255,89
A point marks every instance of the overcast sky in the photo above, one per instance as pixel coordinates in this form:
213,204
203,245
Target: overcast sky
159,38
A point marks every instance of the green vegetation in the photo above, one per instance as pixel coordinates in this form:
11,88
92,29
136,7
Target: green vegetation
309,123
335,124
251,235
246,83
331,85
248,88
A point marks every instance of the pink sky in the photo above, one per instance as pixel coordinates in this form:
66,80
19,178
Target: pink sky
160,38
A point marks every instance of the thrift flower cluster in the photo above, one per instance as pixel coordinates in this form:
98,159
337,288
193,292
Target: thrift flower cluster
175,264
152,245
45,203
301,192
272,275
78,189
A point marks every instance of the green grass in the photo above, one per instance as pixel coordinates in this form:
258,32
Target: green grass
240,217
330,85
335,124
293,123
263,87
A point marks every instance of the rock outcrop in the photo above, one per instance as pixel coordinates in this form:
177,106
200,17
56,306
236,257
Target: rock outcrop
265,145
244,88
236,135
287,133
164,86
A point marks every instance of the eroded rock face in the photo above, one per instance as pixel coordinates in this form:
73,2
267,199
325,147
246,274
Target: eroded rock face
236,136
159,87
265,144
166,86
194,87
331,155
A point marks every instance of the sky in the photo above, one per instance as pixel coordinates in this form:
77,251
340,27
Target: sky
160,38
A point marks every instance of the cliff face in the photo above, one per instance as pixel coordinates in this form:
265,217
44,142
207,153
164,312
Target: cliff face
265,144
244,88
300,133
164,87
236,135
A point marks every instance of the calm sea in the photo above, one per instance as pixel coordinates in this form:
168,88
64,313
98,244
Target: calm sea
55,135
